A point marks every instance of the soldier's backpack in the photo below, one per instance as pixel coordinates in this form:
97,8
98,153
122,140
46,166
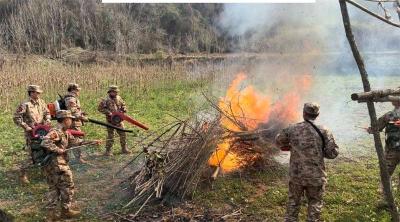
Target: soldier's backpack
61,102
58,105
392,132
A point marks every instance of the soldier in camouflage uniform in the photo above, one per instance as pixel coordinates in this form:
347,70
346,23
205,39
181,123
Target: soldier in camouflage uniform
113,103
392,142
56,169
307,168
73,104
29,114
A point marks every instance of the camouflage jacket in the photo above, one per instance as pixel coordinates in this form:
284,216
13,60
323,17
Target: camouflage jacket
58,139
31,113
307,166
73,104
109,105
392,134
384,120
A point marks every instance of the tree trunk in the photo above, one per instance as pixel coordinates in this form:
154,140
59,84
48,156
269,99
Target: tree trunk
375,94
380,99
385,178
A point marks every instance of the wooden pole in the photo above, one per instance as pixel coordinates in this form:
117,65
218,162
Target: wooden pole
382,100
375,94
385,178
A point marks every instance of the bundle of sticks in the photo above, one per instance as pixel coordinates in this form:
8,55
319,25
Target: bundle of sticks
177,158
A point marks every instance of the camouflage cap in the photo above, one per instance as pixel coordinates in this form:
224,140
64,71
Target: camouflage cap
311,108
113,88
61,114
34,88
73,86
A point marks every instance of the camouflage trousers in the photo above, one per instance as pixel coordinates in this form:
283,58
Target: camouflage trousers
392,160
77,152
110,138
61,185
27,161
314,198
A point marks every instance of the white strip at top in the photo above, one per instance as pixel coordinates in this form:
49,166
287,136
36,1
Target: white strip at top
208,1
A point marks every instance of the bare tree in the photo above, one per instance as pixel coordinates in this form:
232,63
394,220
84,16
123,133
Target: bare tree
385,178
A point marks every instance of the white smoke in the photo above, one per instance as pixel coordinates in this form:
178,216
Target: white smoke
289,32
323,21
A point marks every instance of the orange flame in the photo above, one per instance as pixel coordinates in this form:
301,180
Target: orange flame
222,157
250,107
247,106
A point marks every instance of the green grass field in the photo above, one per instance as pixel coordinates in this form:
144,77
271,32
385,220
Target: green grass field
351,195
95,181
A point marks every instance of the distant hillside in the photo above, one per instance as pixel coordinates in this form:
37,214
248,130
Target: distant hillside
52,27
48,27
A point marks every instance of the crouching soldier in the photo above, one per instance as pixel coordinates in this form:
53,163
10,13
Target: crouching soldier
309,145
29,114
56,168
113,103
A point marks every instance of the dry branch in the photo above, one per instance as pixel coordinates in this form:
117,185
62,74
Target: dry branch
176,168
362,8
177,158
386,95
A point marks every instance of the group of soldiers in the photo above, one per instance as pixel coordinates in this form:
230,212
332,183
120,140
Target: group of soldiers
34,112
309,144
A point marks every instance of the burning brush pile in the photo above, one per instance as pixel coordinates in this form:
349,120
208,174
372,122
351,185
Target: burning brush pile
236,135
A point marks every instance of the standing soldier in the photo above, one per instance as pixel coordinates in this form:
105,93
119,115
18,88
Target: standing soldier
113,103
73,104
29,114
308,145
391,123
56,168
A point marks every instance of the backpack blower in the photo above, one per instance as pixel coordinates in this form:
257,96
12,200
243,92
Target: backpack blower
60,105
117,117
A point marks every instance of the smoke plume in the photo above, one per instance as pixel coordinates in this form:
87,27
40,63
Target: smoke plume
297,39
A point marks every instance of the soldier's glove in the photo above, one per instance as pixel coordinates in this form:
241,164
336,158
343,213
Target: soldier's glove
60,151
97,142
84,119
369,130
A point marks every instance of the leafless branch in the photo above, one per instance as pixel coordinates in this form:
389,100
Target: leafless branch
373,14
